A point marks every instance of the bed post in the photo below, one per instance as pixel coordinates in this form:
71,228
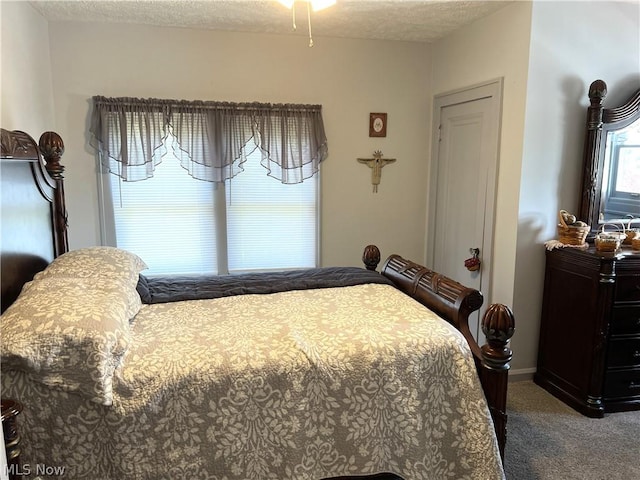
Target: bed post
498,326
10,410
52,148
371,257
21,259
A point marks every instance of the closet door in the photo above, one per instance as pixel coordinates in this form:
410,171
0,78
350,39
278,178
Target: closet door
463,194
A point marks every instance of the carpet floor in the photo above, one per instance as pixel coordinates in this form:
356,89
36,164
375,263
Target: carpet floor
548,440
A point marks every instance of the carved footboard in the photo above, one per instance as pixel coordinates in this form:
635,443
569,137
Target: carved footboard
454,302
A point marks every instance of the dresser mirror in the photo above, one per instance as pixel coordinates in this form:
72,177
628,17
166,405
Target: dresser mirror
611,177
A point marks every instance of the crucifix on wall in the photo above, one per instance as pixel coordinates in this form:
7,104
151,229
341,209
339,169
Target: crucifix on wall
375,164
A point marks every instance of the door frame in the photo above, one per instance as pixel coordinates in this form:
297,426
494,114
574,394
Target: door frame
490,89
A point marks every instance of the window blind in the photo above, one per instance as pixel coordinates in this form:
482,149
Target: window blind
173,221
270,225
167,220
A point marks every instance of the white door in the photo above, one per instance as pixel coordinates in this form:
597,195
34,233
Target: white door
463,187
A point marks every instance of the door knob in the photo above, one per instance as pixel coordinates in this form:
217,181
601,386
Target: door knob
473,264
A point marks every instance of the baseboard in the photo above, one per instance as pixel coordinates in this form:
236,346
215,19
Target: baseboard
521,374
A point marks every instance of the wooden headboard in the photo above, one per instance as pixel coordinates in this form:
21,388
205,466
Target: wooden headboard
33,207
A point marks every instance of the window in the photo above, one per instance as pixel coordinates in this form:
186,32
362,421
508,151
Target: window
180,225
270,225
208,187
621,181
168,220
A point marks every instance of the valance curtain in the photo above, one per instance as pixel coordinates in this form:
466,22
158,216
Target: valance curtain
211,139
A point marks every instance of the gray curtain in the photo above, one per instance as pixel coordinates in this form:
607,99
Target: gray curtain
211,139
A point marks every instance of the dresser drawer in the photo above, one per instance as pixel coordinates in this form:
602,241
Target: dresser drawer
625,320
628,288
624,352
624,383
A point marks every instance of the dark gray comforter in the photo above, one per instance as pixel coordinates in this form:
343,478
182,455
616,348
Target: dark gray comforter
164,289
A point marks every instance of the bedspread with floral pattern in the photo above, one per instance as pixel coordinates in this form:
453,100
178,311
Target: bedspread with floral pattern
294,385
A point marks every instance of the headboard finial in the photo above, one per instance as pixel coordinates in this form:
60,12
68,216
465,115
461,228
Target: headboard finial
52,149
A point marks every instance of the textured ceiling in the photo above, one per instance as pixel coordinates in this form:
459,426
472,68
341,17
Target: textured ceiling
421,21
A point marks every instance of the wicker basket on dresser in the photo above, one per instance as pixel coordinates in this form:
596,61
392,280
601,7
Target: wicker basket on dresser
589,350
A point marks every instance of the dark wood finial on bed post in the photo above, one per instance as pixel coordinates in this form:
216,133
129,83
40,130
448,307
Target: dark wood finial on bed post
10,410
52,148
371,257
498,325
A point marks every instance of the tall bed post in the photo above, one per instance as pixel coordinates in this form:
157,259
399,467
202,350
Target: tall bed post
27,244
52,149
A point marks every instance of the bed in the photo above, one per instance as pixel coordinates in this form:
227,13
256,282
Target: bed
322,373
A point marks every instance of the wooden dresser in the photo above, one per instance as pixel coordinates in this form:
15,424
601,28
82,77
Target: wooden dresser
589,351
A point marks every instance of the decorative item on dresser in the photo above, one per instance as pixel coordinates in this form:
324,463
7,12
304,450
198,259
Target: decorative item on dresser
570,230
589,350
117,423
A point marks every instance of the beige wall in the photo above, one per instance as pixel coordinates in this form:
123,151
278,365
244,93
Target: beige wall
350,78
26,70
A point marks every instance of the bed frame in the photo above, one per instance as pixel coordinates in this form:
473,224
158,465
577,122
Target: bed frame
34,231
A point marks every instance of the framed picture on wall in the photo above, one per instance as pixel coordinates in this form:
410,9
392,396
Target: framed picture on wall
377,124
